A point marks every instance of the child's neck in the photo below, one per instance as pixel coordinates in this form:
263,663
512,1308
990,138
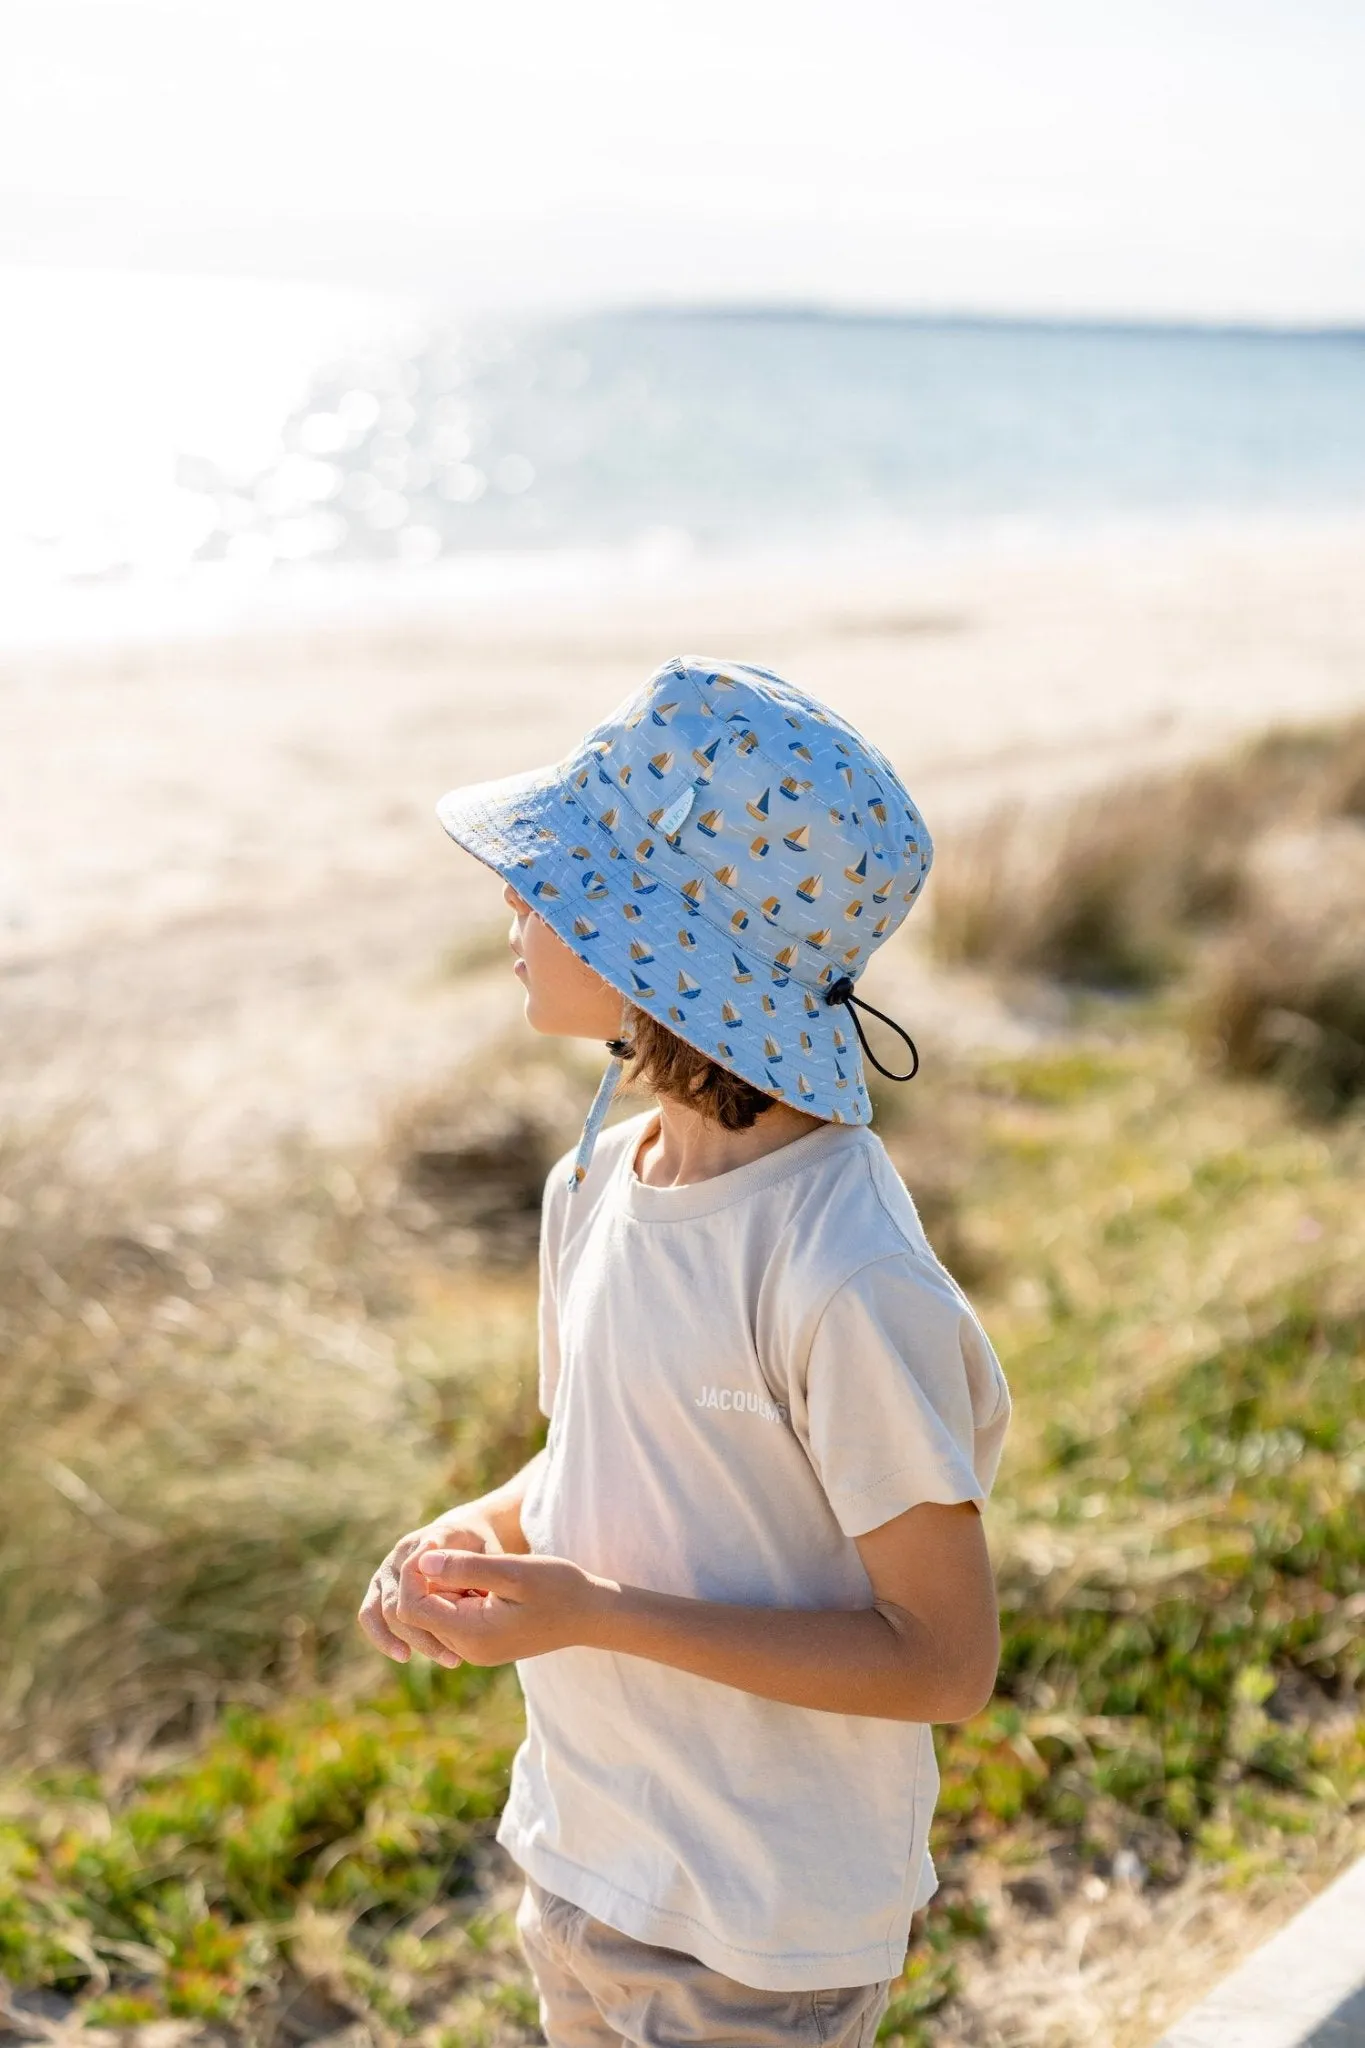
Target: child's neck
681,1146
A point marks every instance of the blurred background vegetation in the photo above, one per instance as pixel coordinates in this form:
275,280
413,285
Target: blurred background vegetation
221,1818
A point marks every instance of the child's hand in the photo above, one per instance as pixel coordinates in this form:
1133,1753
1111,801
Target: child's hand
490,1610
381,1615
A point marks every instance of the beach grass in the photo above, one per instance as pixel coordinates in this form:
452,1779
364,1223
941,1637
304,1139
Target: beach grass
1242,879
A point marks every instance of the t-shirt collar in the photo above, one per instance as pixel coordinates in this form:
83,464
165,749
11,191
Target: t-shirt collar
704,1197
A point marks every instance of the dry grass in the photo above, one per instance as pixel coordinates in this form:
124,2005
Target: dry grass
1245,879
228,1406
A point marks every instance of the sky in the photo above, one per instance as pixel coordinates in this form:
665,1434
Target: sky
1198,159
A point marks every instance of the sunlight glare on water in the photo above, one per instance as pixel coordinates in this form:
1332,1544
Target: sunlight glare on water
126,394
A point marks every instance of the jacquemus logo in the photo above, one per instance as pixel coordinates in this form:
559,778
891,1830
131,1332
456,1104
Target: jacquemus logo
739,1401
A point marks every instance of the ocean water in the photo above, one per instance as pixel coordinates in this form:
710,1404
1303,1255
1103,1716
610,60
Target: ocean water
177,444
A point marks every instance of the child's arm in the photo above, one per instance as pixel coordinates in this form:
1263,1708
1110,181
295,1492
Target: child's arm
491,1524
925,1651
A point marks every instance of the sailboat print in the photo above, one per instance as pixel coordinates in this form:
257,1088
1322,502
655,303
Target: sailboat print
770,907
662,714
758,847
819,939
798,839
858,873
772,1050
546,889
687,988
769,1006
791,788
812,1008
809,888
641,884
584,928
645,850
880,895
687,940
659,765
705,758
786,958
759,810
639,950
608,818
693,891
742,973
728,875
739,921
642,987
729,1014
709,823
853,909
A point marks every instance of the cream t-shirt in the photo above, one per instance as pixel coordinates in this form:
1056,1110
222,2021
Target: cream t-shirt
741,1376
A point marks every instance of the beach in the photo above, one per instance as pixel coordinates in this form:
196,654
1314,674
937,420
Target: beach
227,914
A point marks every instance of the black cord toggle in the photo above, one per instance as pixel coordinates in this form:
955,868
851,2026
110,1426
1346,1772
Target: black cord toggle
841,991
620,1048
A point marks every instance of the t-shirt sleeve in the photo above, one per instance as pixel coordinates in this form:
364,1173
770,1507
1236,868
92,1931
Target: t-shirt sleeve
551,1233
904,1401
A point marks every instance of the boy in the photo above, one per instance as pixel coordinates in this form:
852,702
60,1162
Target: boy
748,1568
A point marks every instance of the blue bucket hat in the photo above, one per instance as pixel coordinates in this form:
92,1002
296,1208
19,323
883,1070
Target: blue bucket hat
728,853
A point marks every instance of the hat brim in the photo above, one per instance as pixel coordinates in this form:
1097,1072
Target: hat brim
640,934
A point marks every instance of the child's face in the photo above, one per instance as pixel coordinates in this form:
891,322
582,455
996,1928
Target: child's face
564,997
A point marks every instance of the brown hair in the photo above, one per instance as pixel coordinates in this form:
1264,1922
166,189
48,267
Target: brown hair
668,1065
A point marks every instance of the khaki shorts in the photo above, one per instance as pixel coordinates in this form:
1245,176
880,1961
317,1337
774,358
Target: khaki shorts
599,1988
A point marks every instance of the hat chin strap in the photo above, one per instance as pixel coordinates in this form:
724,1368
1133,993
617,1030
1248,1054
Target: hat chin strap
621,1050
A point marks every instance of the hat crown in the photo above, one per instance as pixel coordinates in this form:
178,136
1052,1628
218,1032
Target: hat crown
768,814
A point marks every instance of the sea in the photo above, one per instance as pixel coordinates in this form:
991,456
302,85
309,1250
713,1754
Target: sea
186,453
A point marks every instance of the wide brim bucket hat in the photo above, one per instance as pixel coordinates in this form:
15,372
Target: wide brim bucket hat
727,853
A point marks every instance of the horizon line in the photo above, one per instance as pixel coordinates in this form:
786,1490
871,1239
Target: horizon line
794,310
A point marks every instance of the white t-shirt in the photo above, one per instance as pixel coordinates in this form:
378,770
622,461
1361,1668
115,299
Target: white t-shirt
741,1376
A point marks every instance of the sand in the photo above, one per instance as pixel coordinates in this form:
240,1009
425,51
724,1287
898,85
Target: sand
226,911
